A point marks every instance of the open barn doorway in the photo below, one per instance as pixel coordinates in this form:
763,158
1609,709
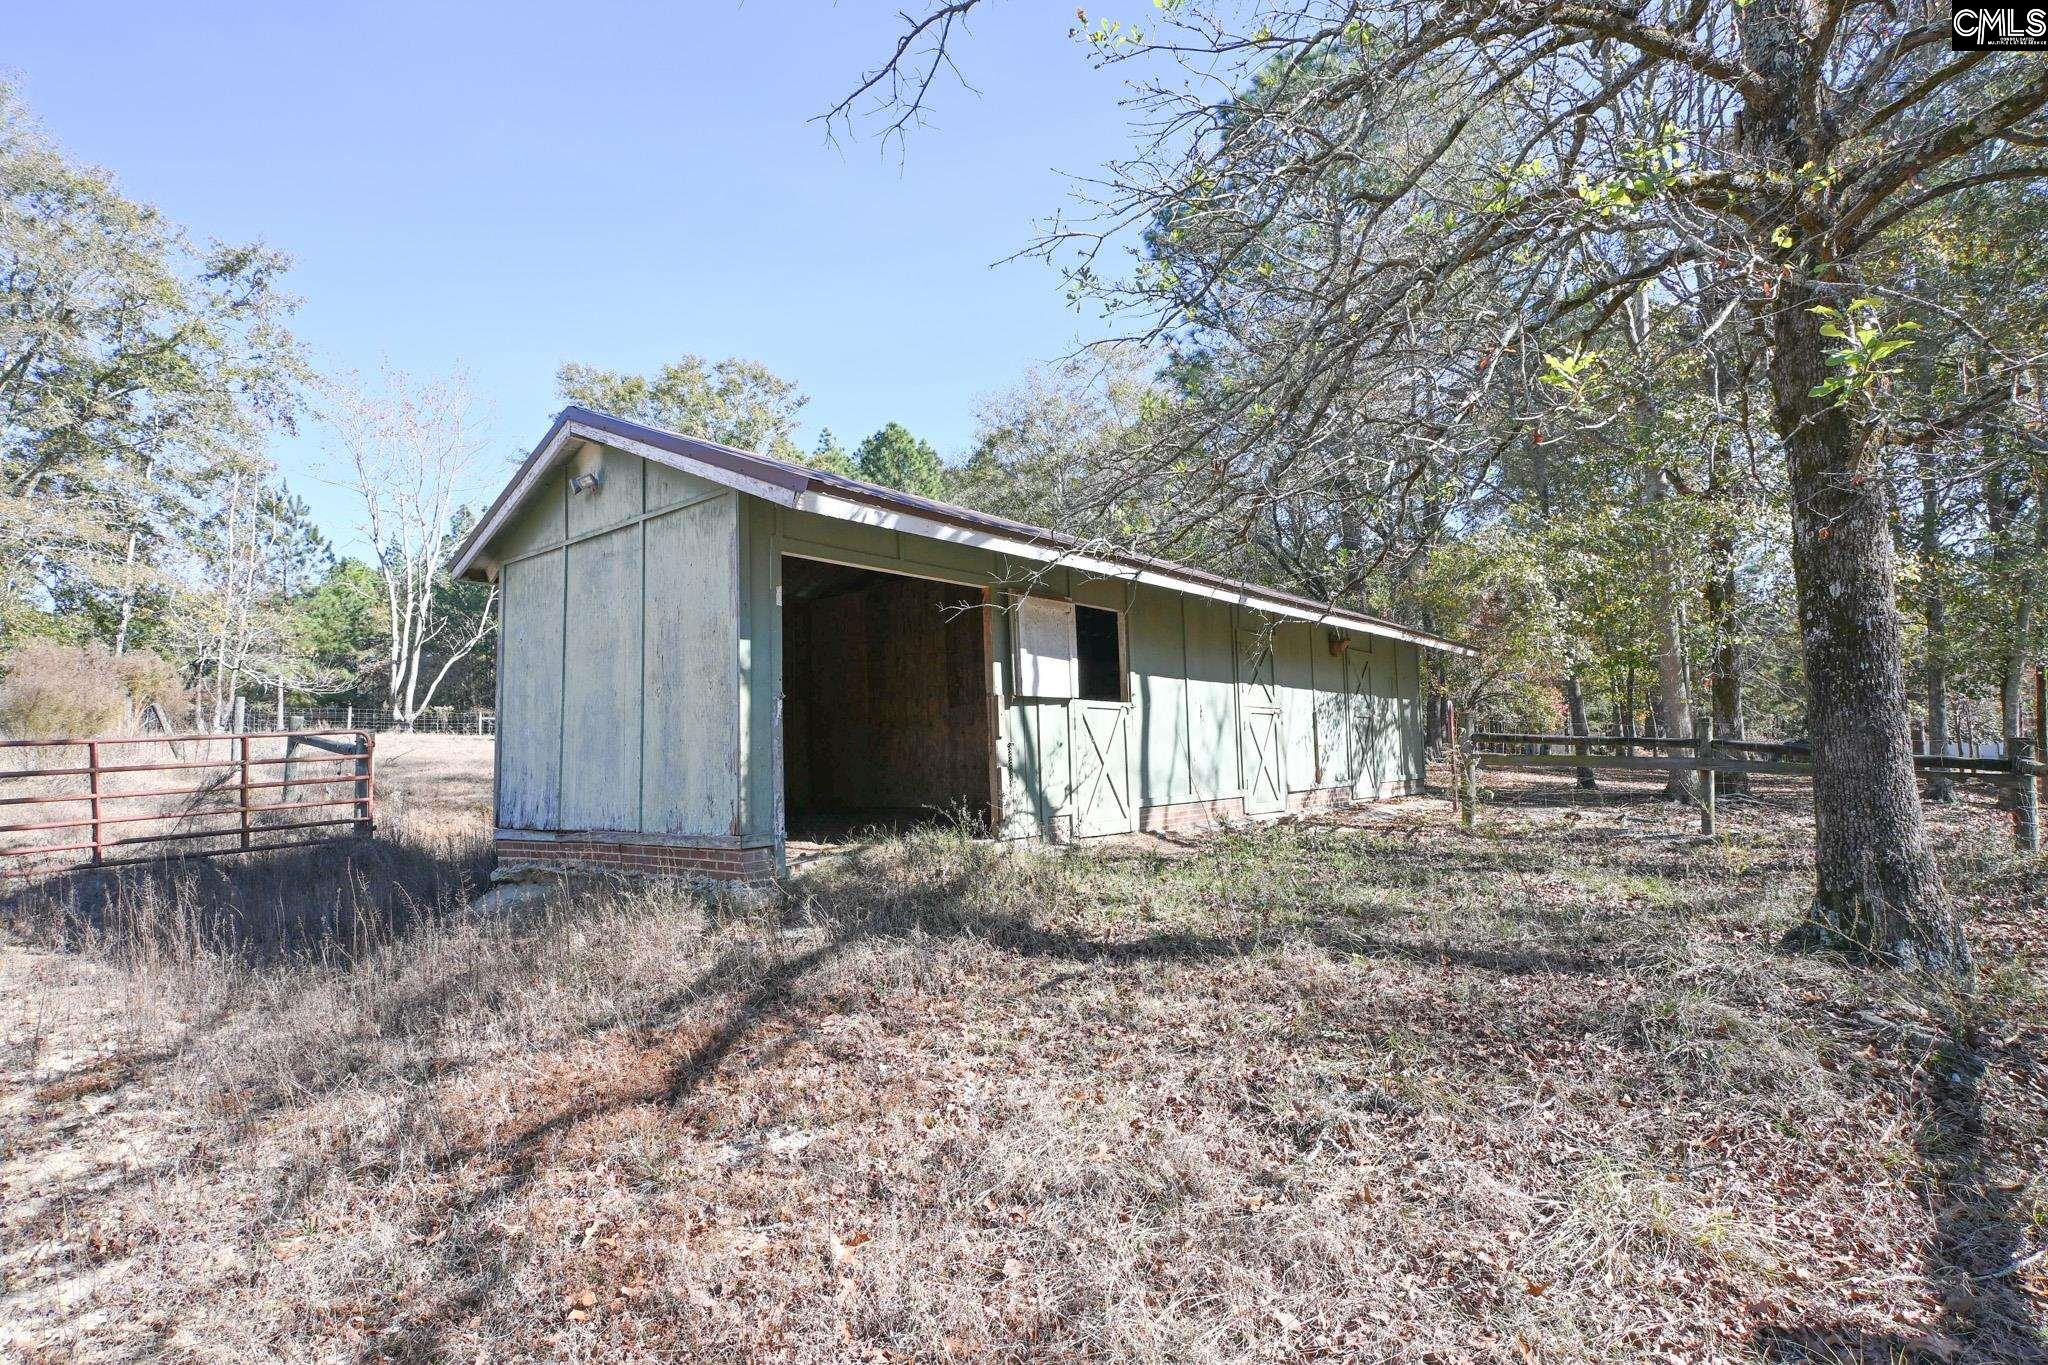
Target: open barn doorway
887,717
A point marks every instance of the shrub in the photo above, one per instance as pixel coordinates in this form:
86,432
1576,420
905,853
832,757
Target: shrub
53,690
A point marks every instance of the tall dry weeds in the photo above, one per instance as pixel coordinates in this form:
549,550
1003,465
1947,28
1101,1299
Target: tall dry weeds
1387,1092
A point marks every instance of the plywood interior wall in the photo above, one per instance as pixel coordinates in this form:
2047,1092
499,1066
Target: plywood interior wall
885,693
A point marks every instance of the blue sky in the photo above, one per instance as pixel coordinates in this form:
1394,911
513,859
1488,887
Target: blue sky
503,187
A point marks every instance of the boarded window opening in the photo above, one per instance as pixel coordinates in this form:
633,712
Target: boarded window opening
1044,627
1099,652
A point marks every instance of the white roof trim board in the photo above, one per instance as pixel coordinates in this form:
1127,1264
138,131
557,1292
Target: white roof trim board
850,500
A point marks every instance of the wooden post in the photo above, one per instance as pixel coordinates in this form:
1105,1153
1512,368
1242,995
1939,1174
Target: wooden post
1460,748
1703,745
2030,793
92,760
242,742
366,799
2026,808
1471,767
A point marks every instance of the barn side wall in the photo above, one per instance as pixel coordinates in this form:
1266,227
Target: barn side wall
1173,756
621,676
641,688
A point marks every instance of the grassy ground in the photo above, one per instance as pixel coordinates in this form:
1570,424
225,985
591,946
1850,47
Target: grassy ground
1374,1088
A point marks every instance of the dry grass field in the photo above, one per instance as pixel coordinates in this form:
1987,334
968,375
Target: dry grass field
1370,1088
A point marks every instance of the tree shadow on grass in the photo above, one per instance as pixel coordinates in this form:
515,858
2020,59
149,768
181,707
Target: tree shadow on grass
1977,1236
854,903
260,909
857,902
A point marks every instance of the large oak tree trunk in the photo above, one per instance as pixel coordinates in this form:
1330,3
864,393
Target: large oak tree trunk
1877,887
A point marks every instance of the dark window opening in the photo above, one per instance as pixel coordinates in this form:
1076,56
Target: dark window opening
1099,651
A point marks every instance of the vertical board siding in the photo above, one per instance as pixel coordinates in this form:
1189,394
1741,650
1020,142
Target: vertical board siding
614,501
1386,686
538,524
666,487
1047,726
1409,688
1294,669
757,587
690,674
601,691
530,721
1212,698
1333,739
1160,690
642,676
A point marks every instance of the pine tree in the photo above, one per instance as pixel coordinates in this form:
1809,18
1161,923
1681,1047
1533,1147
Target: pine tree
892,456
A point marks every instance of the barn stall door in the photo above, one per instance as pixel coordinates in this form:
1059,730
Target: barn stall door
1258,706
1371,719
1103,800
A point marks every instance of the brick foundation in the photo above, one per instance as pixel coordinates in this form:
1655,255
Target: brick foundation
1183,817
757,864
596,854
1186,816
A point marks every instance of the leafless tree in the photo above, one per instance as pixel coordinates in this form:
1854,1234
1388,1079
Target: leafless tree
411,445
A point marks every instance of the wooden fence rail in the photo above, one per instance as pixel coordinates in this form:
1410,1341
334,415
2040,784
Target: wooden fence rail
254,828
1708,757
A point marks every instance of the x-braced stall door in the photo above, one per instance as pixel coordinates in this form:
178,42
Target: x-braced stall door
1367,719
1258,706
1103,801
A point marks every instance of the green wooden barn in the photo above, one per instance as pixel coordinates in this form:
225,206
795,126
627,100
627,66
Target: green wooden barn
709,658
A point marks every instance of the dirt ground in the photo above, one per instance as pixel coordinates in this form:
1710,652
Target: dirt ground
449,774
1367,1087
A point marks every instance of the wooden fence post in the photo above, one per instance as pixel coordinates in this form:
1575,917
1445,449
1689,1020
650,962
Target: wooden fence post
1703,746
1470,765
92,761
242,743
2030,791
366,801
2026,806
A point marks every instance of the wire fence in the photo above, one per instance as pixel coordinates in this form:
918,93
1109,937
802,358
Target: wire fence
441,720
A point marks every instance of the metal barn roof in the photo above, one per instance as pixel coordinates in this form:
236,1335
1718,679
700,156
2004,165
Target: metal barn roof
813,490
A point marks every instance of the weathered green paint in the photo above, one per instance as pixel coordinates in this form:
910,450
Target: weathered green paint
539,521
617,499
1158,648
642,676
601,683
620,660
1295,672
530,693
690,675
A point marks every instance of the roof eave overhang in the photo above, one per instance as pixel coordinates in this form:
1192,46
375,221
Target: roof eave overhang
1056,554
840,500
575,426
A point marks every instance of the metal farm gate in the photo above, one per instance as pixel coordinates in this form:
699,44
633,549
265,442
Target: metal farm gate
91,803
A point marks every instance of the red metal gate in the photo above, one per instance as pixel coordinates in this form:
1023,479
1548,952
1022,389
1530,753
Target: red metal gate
233,808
